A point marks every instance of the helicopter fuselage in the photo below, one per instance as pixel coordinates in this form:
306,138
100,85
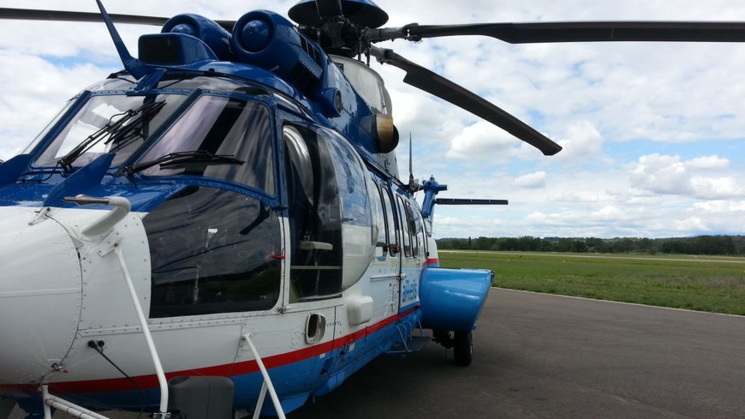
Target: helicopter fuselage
282,242
223,205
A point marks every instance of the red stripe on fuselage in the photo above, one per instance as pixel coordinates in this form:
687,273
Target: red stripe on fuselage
227,370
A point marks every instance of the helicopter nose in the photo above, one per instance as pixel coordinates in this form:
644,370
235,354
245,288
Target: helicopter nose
40,295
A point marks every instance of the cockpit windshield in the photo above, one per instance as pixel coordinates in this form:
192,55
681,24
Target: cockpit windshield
109,124
194,126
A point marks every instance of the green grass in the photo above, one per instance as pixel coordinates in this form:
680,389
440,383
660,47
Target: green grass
698,283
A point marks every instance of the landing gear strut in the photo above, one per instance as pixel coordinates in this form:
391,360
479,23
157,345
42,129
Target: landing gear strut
463,348
461,342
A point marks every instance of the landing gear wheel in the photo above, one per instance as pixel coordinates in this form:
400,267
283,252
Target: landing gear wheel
463,348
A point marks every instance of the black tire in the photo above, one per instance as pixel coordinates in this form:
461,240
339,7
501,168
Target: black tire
463,348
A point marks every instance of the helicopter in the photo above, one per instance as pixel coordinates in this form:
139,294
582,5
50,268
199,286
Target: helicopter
225,218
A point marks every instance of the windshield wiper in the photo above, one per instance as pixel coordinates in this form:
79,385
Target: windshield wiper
183,157
112,128
138,127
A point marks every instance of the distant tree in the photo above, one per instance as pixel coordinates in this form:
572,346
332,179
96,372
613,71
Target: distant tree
713,245
701,245
564,245
595,245
647,246
529,244
508,244
482,243
579,246
679,246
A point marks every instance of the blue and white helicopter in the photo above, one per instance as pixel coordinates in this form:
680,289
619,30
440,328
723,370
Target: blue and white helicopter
223,222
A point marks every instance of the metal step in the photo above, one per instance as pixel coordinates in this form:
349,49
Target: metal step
412,344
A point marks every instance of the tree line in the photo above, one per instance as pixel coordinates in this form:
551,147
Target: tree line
699,245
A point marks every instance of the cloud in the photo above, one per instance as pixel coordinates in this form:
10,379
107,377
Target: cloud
534,180
666,174
716,187
482,141
708,162
660,174
691,224
608,213
582,141
719,206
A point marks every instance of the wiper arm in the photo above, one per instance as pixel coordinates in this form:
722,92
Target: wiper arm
146,111
183,157
136,128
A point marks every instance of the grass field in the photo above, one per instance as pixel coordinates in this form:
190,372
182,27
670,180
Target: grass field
705,283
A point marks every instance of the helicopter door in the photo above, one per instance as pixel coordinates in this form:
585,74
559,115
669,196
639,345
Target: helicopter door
316,256
412,255
386,263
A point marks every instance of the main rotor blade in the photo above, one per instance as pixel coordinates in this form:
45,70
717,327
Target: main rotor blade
443,88
524,33
67,16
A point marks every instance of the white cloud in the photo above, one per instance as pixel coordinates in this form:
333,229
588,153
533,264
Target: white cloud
708,162
608,213
665,174
581,142
719,206
717,187
531,180
691,224
568,195
660,174
482,141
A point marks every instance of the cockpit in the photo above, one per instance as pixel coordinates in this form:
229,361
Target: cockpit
195,126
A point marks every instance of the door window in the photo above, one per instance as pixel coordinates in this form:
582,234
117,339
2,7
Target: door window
213,251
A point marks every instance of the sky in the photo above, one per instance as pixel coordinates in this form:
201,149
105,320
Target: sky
652,132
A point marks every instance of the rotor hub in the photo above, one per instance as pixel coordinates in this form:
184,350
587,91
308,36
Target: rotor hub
363,13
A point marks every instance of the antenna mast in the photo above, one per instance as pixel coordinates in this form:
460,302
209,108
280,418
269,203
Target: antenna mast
413,185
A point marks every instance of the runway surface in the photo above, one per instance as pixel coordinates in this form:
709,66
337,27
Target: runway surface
546,356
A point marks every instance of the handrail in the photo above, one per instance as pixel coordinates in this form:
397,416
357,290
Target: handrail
68,407
148,337
121,205
267,385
